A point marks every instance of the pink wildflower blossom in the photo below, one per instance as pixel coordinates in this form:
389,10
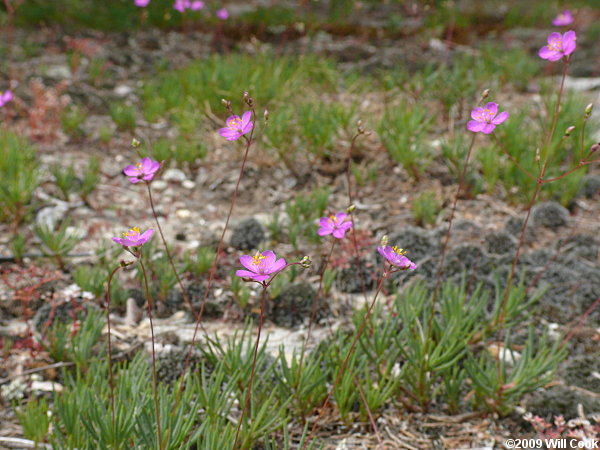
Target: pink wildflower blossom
237,127
141,3
334,224
144,170
261,266
223,14
133,238
395,256
559,45
563,19
485,119
5,97
182,5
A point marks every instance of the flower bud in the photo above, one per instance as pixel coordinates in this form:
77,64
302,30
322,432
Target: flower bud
569,130
384,241
124,263
135,143
305,262
350,209
588,109
595,147
485,94
266,115
537,155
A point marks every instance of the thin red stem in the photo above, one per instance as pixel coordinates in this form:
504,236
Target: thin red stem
248,394
216,260
386,272
513,160
164,241
581,321
149,301
110,364
371,419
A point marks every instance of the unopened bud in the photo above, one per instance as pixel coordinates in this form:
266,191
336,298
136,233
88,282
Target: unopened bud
595,147
384,241
246,96
266,115
135,143
350,209
485,94
225,103
124,263
537,155
305,262
569,130
588,109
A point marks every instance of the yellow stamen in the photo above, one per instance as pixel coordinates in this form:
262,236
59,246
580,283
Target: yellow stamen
235,124
256,259
332,219
132,232
398,251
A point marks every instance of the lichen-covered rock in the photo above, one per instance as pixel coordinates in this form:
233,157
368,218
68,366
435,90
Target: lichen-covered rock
550,215
514,227
591,186
170,364
582,371
500,242
467,257
294,305
72,307
214,307
418,242
348,278
581,246
247,235
556,400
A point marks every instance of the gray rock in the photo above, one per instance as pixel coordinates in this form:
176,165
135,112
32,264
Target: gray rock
247,235
560,400
170,365
550,214
294,305
500,242
174,175
591,186
514,226
582,371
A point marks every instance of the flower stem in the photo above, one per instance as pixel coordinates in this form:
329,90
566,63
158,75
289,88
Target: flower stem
386,272
149,301
186,298
351,203
216,260
316,300
110,365
249,393
369,413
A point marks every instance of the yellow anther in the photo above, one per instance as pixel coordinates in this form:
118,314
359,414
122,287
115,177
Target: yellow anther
234,123
256,260
132,232
398,251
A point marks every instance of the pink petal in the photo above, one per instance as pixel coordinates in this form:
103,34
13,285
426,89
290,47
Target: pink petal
118,240
248,262
277,265
7,96
196,6
381,251
475,126
492,107
569,42
147,235
339,233
246,118
554,36
229,134
340,216
247,128
346,225
245,274
324,231
269,258
488,128
131,171
476,113
134,180
500,118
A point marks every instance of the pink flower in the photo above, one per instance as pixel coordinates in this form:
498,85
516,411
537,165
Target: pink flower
334,224
182,5
223,14
237,127
563,19
144,170
5,97
395,256
261,266
141,3
485,119
133,238
559,45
